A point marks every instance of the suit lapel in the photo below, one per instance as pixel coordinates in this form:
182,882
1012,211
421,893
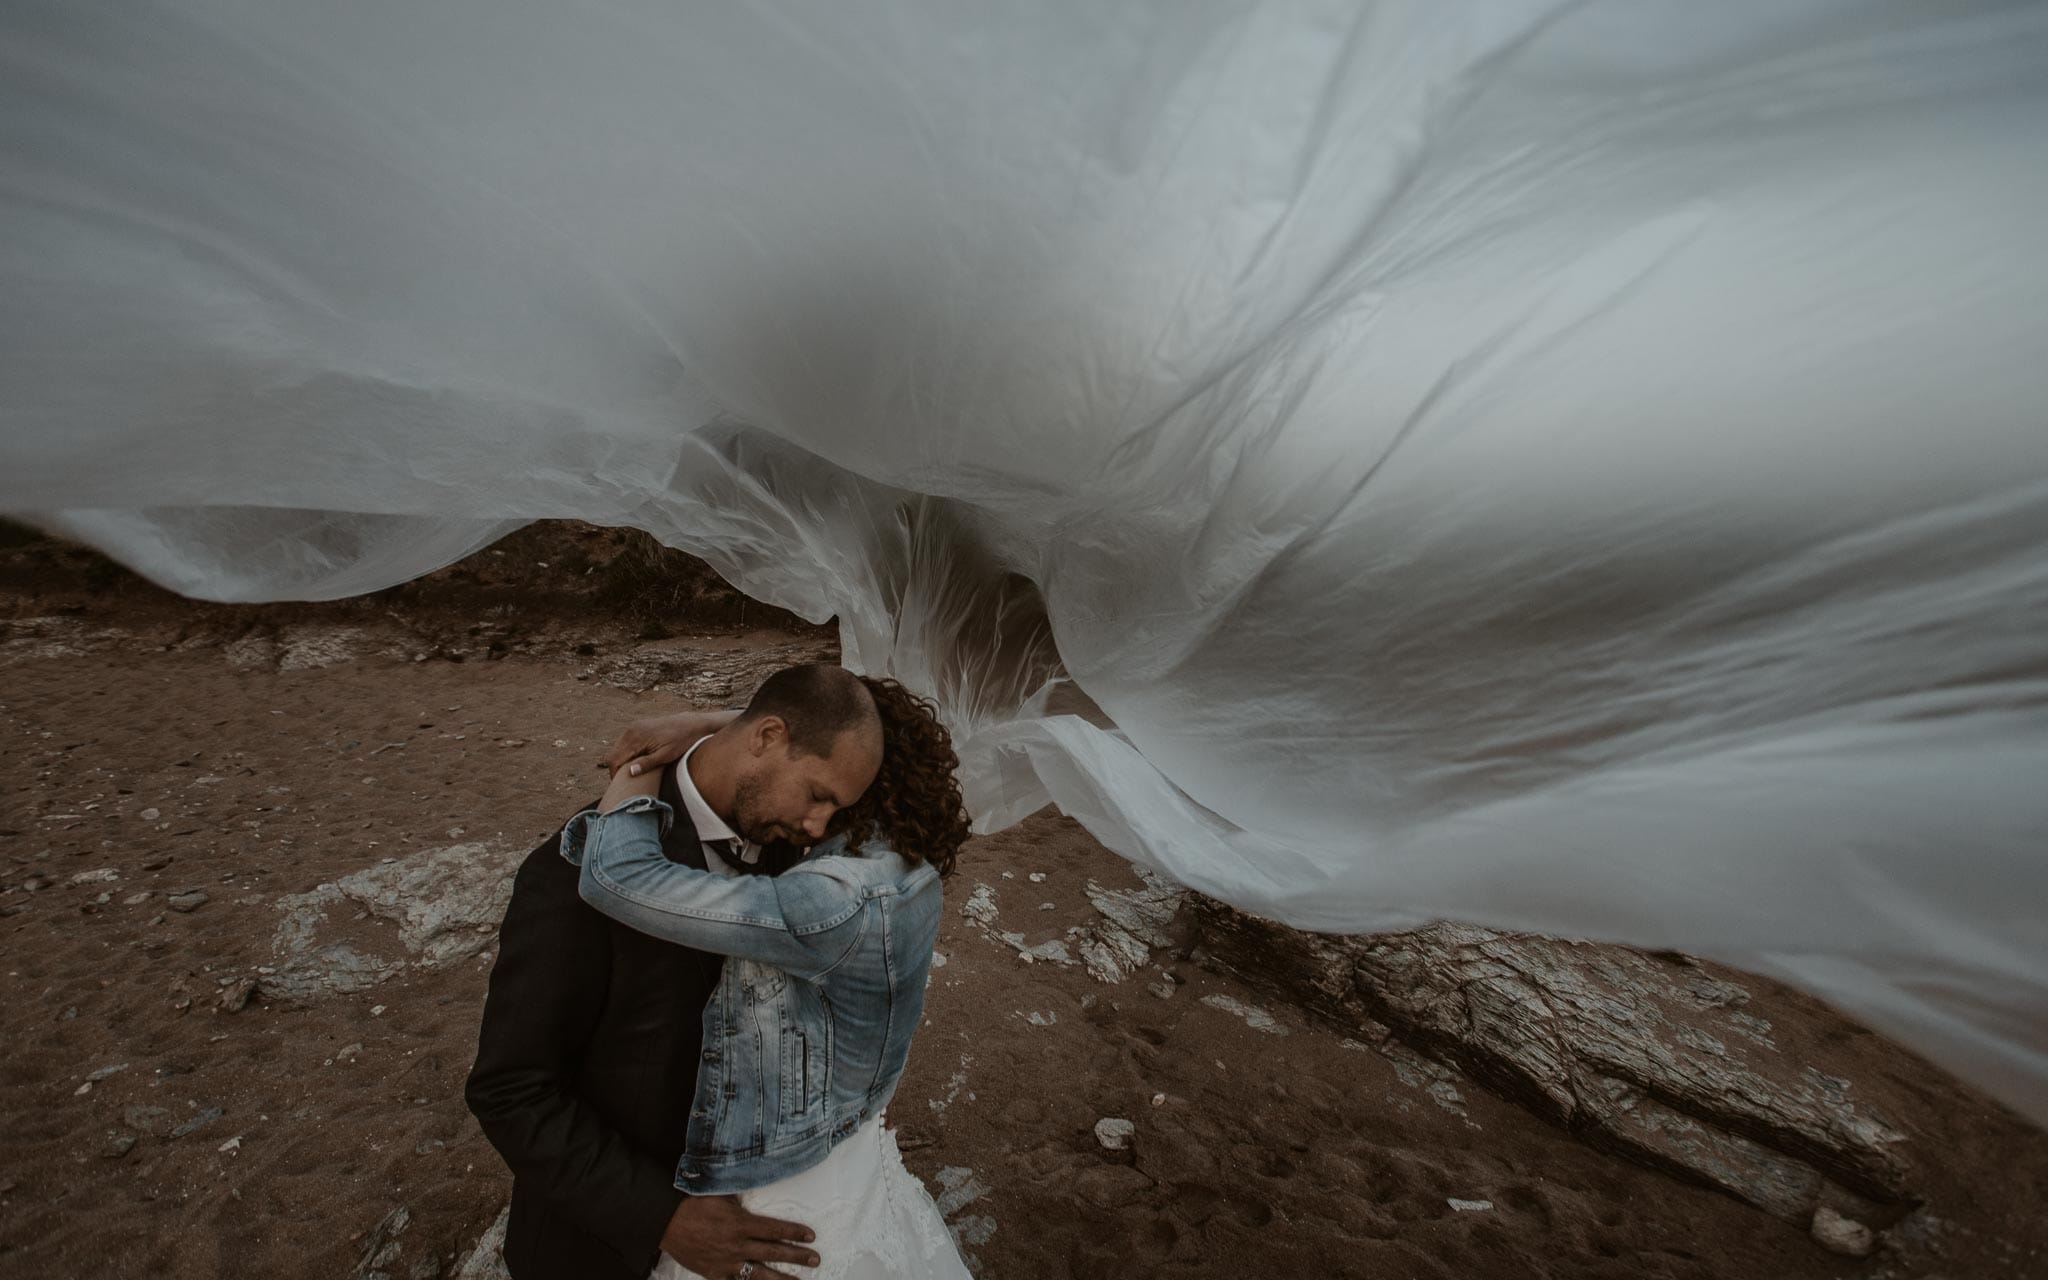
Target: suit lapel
680,843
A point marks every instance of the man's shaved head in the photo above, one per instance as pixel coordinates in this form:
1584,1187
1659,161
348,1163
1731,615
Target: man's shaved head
816,702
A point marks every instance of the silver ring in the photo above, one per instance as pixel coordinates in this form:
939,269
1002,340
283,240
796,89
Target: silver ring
746,1269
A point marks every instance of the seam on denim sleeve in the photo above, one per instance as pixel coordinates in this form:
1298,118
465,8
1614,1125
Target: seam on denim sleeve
829,922
669,907
851,947
672,908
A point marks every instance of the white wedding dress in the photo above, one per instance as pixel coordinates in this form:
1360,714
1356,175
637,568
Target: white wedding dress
873,1218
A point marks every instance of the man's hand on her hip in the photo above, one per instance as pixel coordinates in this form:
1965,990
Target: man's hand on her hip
713,1236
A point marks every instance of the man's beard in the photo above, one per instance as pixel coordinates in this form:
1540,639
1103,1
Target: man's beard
747,816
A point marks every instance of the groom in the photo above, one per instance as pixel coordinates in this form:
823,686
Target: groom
587,1061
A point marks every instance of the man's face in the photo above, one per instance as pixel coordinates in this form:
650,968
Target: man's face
791,796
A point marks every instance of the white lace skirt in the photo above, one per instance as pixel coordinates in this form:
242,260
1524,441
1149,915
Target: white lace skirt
874,1219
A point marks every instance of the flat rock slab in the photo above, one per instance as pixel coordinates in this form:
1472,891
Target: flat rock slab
427,909
1652,1056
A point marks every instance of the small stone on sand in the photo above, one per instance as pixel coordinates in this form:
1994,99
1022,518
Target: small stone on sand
1114,1134
1837,1234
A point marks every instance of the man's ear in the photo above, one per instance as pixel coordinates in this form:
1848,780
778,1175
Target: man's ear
768,731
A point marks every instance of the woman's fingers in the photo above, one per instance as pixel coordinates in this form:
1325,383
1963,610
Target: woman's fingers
656,756
659,740
630,745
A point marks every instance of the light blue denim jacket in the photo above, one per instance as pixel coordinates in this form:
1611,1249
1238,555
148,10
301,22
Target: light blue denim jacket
807,1033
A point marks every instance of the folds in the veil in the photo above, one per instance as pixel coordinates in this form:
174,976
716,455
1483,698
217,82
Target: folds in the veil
1572,467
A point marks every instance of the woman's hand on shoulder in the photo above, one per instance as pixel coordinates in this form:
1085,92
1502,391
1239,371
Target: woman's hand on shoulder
661,740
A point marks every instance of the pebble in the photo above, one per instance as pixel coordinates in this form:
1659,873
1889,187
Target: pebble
135,898
1469,1206
1038,877
376,1010
151,815
236,994
147,1119
111,1069
118,1145
191,901
205,1116
99,876
231,1145
1114,1134
1837,1234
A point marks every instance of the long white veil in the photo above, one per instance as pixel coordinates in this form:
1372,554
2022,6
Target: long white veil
1577,467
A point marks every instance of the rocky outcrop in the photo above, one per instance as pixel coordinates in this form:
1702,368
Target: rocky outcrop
427,909
1119,944
700,676
487,1260
1655,1057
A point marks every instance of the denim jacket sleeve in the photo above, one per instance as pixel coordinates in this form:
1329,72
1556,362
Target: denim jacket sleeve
804,921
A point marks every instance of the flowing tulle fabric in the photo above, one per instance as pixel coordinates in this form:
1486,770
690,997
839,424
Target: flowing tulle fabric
1578,467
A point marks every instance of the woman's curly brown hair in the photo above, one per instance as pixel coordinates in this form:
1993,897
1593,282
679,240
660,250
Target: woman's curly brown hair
915,801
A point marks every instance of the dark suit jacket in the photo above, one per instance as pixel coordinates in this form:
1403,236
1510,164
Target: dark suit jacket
586,1068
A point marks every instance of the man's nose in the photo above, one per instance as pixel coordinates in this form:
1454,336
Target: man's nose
814,826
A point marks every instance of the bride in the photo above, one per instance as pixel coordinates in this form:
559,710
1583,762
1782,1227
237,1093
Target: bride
811,1024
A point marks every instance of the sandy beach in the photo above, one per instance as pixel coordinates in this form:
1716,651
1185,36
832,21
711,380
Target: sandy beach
249,854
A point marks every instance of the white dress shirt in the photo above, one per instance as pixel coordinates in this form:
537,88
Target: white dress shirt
710,827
